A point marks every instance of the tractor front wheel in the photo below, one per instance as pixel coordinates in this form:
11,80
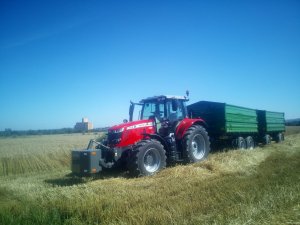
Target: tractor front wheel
147,158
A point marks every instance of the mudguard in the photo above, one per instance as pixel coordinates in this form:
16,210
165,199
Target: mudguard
186,124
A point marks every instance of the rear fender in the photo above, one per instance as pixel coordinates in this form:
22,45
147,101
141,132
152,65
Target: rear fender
186,124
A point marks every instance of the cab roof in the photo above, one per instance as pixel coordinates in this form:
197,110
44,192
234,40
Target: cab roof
164,97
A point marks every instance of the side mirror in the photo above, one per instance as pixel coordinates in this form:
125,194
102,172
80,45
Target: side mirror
174,105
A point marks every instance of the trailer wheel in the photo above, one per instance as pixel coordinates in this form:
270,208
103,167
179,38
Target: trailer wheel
249,143
147,158
267,139
279,137
241,143
196,145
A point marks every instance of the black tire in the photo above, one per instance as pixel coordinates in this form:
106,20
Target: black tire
196,145
147,158
249,143
241,143
267,139
279,137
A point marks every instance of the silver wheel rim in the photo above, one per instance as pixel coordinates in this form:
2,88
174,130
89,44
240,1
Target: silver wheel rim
198,146
241,143
151,160
251,144
267,139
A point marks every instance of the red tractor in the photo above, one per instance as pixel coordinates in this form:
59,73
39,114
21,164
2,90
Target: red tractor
163,135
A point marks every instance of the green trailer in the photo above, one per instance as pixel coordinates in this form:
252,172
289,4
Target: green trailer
243,126
271,126
227,122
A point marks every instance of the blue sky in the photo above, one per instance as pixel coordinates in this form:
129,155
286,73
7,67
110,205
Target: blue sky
64,60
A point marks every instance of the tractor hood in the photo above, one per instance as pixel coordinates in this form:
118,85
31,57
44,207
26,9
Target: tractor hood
127,134
131,125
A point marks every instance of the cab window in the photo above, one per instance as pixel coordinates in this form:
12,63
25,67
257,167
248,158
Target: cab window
175,110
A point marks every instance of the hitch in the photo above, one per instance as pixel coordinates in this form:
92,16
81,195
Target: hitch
93,144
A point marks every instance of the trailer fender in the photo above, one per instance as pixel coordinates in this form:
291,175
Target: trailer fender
186,124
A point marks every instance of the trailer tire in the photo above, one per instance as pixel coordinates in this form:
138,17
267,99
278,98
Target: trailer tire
267,139
196,145
250,143
279,137
147,158
241,143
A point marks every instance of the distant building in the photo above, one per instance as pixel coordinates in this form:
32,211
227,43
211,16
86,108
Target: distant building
85,125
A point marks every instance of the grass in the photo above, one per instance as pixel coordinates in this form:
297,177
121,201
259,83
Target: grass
260,186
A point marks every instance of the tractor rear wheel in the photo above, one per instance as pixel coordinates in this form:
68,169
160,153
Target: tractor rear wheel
196,145
147,158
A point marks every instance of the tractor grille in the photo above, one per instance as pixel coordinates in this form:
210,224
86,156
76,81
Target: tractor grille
114,138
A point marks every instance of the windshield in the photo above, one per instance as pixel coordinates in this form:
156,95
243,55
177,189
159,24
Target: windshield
153,109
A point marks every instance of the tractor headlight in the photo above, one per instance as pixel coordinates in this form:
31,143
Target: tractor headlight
119,130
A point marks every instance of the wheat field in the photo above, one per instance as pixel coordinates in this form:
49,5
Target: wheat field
24,154
259,186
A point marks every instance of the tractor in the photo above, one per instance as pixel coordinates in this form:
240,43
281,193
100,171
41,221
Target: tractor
163,135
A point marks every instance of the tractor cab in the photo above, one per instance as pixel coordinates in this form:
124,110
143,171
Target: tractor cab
165,110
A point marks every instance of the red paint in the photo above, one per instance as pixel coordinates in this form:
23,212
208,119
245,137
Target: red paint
132,133
185,124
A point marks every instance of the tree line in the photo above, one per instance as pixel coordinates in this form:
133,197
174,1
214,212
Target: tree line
11,133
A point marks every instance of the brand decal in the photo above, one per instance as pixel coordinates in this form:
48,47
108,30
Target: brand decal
149,124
